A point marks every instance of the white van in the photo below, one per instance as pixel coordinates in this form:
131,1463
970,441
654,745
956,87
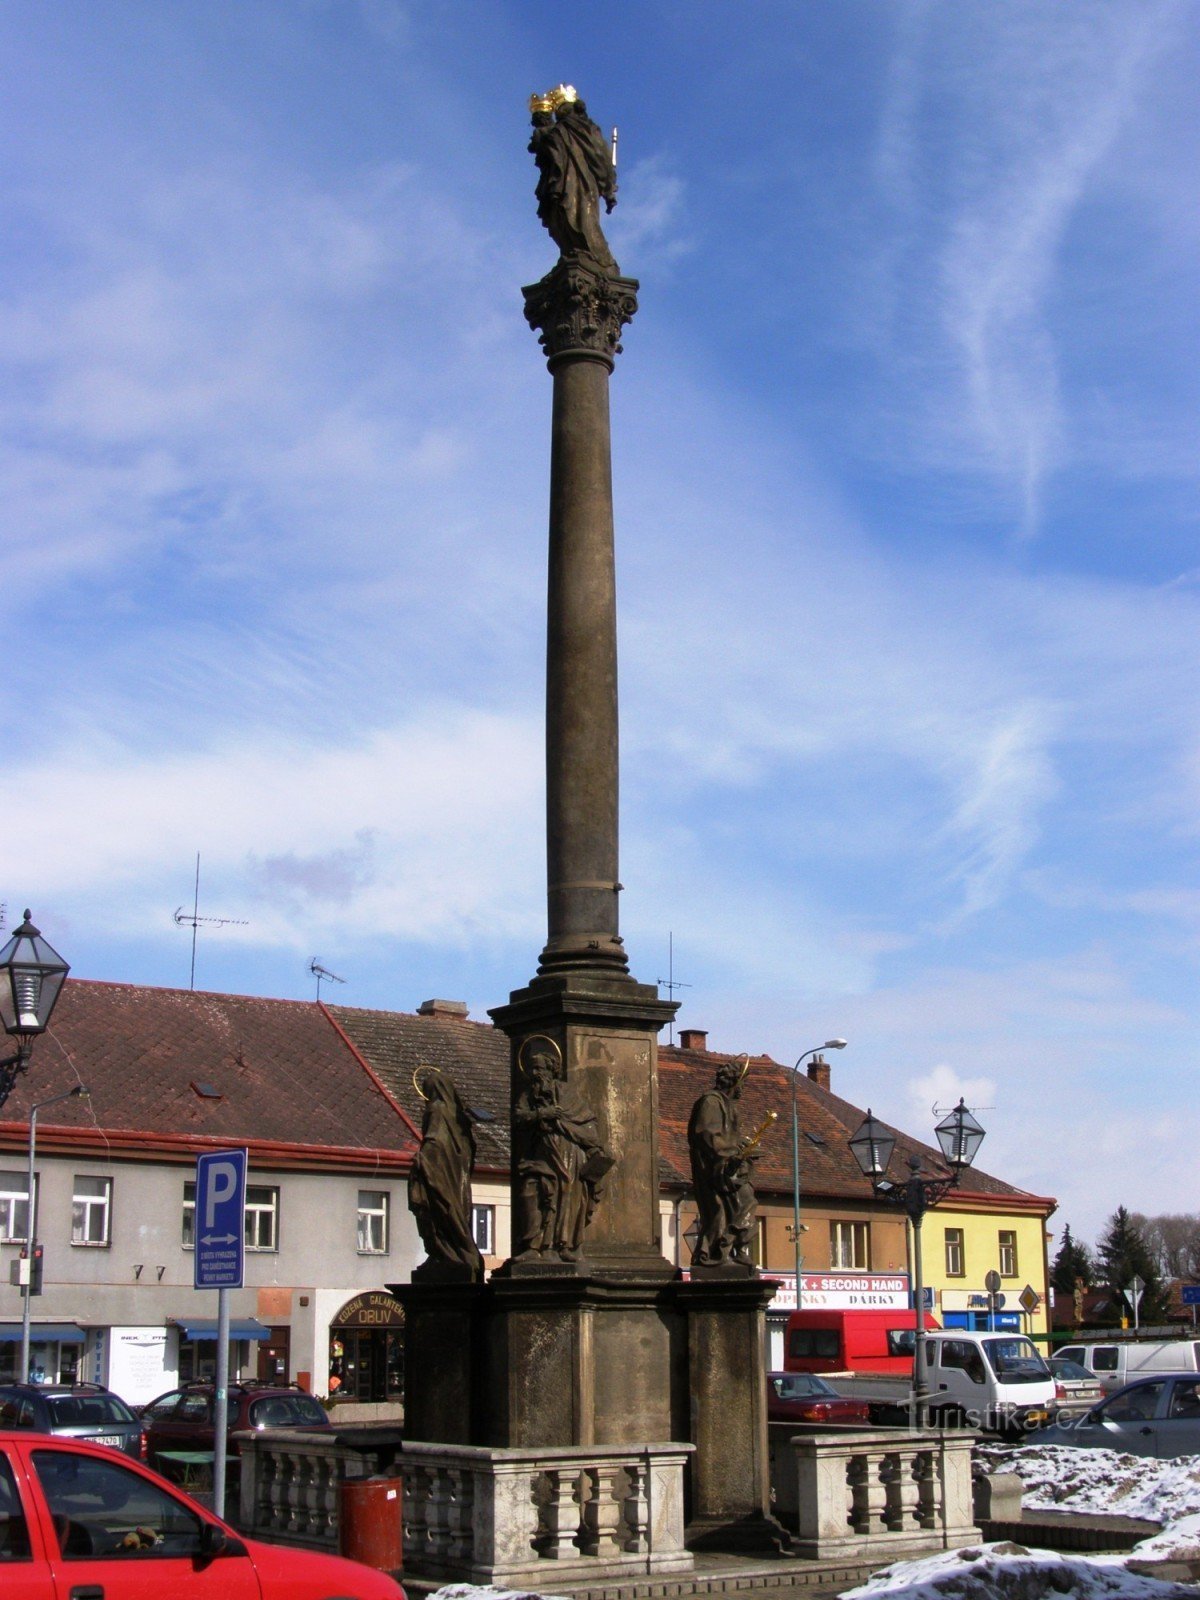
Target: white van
995,1381
1123,1360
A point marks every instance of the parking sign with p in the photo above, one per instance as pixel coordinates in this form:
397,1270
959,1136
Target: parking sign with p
220,1219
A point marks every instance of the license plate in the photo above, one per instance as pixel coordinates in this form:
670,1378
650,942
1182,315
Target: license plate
106,1438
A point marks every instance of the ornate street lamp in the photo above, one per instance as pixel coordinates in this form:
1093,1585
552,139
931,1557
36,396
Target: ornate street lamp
31,976
959,1135
830,1044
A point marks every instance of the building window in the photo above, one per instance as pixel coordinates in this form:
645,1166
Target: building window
849,1246
262,1218
189,1216
91,1208
1008,1252
483,1229
372,1222
955,1267
14,1207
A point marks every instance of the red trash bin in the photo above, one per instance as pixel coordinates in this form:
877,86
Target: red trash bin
371,1523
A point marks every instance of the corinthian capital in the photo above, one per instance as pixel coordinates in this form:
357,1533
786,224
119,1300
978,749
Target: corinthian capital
579,311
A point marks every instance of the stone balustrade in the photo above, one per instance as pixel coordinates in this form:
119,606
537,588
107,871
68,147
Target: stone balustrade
887,1491
524,1517
291,1479
535,1517
479,1515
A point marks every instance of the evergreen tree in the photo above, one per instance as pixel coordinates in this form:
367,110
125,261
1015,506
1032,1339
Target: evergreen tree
1124,1255
1074,1260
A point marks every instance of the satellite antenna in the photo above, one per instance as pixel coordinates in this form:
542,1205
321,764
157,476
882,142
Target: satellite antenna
319,972
183,920
670,983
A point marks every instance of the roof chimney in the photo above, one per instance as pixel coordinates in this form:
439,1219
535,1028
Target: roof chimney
818,1071
693,1038
443,1008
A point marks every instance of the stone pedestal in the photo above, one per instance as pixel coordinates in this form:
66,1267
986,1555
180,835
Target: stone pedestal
607,1031
544,1361
725,1319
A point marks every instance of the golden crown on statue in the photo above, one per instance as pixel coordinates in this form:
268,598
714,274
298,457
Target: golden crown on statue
564,95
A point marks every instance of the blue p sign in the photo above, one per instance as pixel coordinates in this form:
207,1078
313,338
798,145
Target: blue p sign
220,1219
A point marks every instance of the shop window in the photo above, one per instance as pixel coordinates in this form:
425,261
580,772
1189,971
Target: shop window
1008,1252
955,1266
849,1246
483,1229
188,1236
14,1207
262,1218
372,1222
91,1211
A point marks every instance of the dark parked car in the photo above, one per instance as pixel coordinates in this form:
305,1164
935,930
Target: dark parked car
181,1423
1076,1388
74,1410
1157,1416
805,1397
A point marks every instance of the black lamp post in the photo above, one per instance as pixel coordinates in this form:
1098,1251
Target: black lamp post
959,1136
31,976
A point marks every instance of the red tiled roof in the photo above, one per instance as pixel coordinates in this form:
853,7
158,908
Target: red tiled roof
474,1054
826,1122
328,1079
282,1072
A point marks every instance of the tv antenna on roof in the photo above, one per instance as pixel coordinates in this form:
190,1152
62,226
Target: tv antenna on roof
319,972
670,983
183,920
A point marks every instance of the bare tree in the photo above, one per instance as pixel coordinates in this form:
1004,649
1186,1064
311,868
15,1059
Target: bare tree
1174,1241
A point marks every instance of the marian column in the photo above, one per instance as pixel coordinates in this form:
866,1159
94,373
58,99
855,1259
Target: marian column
592,1028
588,1335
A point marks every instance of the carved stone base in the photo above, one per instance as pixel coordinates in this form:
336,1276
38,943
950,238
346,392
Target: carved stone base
539,1518
547,1361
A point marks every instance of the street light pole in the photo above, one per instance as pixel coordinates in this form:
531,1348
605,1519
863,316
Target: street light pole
31,1220
830,1044
959,1136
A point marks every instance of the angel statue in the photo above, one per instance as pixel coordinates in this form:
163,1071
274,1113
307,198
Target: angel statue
439,1186
575,172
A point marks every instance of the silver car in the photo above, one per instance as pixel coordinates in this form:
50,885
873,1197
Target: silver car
1076,1389
76,1410
1157,1416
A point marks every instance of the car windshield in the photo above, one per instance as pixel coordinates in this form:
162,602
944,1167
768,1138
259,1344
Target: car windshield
287,1411
1015,1360
87,1411
800,1385
1064,1368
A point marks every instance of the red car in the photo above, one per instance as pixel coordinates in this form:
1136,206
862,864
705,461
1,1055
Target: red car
81,1520
804,1397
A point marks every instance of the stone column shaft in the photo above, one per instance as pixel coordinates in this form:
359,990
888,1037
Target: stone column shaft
579,312
581,677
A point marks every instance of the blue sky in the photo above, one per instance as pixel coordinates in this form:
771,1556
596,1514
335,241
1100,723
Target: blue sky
905,454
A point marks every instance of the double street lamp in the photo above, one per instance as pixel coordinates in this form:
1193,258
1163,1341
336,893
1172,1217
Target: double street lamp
31,976
959,1135
830,1044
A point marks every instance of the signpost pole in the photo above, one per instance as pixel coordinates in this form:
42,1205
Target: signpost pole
220,1264
221,1406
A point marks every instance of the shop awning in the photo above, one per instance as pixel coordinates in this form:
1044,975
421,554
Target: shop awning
206,1328
42,1333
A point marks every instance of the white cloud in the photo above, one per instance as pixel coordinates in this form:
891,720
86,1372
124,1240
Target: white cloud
448,801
